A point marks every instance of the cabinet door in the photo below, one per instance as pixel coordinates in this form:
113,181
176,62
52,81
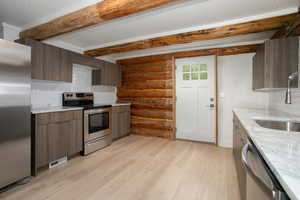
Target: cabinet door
96,77
37,59
259,69
51,63
124,123
66,66
42,151
120,121
116,75
75,138
58,135
126,120
115,123
105,74
281,59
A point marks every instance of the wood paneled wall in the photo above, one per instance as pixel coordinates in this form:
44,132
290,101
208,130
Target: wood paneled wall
148,85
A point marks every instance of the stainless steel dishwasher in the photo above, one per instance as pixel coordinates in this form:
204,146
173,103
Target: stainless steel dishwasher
261,183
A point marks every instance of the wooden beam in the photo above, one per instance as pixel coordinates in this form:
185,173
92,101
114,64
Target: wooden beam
95,14
263,25
291,29
225,51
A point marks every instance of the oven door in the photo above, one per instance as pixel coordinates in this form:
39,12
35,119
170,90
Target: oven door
97,123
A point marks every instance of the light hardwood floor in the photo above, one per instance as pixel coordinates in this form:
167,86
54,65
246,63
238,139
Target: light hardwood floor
139,168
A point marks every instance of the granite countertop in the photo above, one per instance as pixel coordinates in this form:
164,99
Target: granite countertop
280,149
53,109
121,104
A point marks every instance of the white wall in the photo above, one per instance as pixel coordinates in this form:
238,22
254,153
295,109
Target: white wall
235,85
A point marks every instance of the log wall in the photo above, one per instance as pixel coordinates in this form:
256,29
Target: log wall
149,86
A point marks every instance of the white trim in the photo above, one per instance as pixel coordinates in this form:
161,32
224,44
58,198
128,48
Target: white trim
189,49
195,28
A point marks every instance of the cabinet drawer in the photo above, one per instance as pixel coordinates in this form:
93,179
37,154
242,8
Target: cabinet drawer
78,115
121,108
61,116
42,119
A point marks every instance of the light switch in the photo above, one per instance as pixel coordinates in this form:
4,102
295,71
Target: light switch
221,94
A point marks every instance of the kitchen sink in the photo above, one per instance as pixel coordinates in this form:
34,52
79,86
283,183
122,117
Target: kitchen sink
280,125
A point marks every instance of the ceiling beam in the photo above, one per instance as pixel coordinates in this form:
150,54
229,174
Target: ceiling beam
262,25
291,29
95,14
224,51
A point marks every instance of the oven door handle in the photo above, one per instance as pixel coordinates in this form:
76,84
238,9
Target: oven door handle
269,184
96,111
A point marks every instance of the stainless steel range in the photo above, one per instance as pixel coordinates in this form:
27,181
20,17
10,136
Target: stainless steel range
97,130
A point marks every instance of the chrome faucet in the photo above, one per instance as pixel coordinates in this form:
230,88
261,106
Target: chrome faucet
288,94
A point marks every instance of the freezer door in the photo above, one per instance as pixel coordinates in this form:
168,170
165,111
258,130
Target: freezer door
15,112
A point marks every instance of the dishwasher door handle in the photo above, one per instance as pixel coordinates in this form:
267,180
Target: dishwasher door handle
269,184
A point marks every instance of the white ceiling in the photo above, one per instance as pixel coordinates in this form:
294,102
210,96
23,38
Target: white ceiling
188,16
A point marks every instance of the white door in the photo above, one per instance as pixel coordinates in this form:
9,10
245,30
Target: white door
195,105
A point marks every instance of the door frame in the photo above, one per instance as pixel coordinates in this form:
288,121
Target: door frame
216,116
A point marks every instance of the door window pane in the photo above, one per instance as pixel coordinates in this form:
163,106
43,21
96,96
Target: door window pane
195,67
186,76
203,76
203,67
195,76
186,68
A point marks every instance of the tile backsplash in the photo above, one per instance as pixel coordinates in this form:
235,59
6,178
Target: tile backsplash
277,101
49,93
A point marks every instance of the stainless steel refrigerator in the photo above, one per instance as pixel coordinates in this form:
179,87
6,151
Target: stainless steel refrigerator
15,113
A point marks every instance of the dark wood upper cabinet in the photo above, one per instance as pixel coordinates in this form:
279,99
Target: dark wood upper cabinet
49,62
274,62
108,74
55,64
66,66
96,77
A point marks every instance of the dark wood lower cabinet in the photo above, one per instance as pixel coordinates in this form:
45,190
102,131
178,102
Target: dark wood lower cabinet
56,135
42,153
75,138
120,121
239,140
58,139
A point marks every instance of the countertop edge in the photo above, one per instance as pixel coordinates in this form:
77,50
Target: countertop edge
62,108
50,110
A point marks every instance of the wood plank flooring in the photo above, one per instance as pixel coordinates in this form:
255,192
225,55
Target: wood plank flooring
139,168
